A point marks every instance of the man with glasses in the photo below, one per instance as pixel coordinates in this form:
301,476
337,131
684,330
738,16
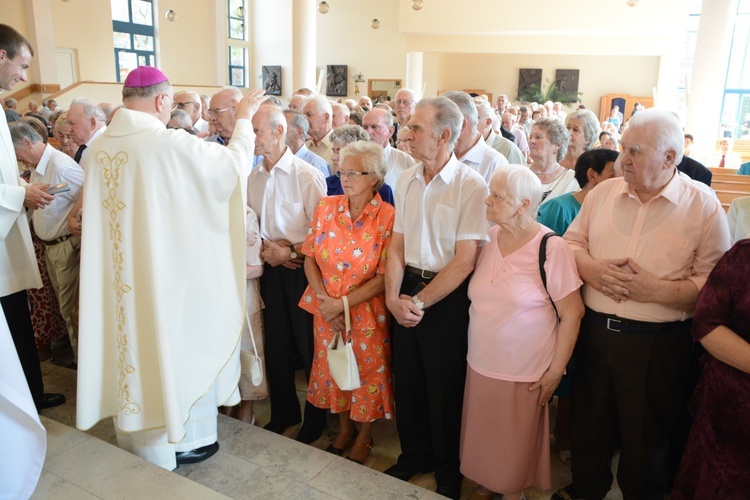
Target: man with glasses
405,102
222,115
190,102
284,191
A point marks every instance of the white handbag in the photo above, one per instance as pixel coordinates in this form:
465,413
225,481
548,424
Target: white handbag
341,361
250,361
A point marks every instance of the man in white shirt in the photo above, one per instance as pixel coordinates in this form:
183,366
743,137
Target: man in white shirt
508,121
190,102
378,123
284,191
319,113
488,120
471,149
86,122
18,267
53,167
440,222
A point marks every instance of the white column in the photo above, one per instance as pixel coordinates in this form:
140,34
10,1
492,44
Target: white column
304,44
42,38
414,71
709,73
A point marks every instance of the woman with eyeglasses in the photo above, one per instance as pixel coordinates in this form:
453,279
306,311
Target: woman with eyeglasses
345,254
340,137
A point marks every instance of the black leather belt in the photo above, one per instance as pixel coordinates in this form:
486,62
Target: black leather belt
622,325
428,275
58,240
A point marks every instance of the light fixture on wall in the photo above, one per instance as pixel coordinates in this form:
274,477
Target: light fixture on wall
357,79
374,24
170,15
323,7
632,3
417,4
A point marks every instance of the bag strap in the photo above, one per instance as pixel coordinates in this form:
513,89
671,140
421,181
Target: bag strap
347,319
252,337
542,260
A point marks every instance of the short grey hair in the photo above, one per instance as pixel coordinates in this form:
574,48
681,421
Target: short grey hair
273,100
590,122
90,108
370,156
465,104
182,117
349,134
557,134
297,120
151,91
666,126
520,184
447,116
385,113
321,104
343,107
23,130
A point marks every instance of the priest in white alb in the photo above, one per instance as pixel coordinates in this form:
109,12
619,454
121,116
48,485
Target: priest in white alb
162,276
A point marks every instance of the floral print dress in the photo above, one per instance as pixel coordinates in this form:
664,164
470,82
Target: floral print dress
350,253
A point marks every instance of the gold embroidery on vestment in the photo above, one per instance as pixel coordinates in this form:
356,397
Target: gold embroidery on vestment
114,206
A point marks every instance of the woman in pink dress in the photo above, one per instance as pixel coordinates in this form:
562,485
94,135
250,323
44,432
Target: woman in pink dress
518,349
345,255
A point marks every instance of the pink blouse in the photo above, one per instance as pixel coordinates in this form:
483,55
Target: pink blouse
512,327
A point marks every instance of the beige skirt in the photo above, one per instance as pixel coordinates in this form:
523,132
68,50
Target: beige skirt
504,435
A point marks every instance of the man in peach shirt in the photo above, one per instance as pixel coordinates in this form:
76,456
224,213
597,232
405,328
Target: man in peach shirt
644,245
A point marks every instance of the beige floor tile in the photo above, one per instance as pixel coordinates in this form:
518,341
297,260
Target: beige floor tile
61,438
52,487
346,479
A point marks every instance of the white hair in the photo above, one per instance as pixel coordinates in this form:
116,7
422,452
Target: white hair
520,184
667,129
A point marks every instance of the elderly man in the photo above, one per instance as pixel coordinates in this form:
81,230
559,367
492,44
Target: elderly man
378,123
471,149
644,245
319,113
296,133
18,267
508,122
365,103
284,191
53,167
190,102
180,119
340,115
86,122
502,104
487,122
406,99
440,222
162,276
297,102
223,115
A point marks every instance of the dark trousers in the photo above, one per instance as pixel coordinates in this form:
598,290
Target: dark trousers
288,332
429,365
633,385
16,308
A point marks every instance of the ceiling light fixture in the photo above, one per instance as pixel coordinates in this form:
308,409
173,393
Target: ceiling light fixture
323,7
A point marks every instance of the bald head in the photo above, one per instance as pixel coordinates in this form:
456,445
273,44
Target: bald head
221,111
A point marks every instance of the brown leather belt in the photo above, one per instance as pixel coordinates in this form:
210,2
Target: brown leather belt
428,275
58,240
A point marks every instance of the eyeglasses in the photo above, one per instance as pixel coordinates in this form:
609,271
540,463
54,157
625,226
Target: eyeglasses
404,103
215,112
351,173
181,105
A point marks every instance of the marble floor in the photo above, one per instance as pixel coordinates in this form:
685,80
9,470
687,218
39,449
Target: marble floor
251,463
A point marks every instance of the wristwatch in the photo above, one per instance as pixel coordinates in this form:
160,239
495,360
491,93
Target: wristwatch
417,301
293,255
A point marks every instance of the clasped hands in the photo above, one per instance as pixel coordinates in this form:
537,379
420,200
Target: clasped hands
405,311
277,253
623,279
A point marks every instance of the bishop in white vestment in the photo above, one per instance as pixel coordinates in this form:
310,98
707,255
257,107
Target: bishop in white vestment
162,275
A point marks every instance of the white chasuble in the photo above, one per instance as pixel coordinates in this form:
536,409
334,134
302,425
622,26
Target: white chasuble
162,291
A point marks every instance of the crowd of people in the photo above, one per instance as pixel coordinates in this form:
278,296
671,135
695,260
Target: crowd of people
482,259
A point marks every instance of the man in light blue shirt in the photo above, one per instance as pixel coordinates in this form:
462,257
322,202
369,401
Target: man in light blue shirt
297,126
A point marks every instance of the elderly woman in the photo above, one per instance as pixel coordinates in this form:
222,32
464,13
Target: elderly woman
345,256
716,462
518,349
64,138
548,144
340,137
583,127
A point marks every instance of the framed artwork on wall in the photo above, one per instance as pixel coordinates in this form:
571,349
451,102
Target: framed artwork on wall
272,80
567,80
527,78
336,80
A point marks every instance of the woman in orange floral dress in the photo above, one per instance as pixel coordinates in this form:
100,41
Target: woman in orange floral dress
345,255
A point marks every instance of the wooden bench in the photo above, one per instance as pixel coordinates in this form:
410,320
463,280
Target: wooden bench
721,176
731,186
728,185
